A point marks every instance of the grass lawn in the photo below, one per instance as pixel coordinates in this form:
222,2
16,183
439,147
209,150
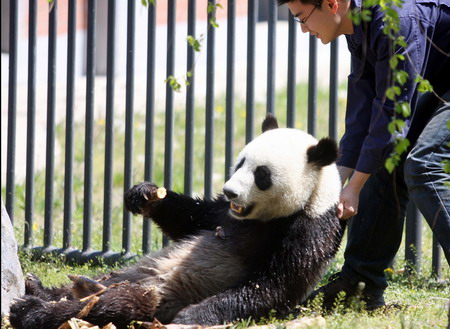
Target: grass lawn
418,301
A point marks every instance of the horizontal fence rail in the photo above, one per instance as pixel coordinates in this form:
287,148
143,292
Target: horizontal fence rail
127,174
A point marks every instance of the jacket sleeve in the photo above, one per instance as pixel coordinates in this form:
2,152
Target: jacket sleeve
367,141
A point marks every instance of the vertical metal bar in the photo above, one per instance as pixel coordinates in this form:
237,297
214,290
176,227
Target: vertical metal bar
31,124
168,151
436,262
129,100
291,73
209,120
89,134
250,97
332,124
170,68
189,139
12,109
109,127
50,155
229,121
70,89
312,86
149,117
271,55
413,239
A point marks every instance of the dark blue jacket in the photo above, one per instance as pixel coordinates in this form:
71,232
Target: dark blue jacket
367,142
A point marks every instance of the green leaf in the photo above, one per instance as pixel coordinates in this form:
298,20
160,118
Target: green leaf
402,146
393,62
366,15
401,77
393,91
390,164
370,3
399,123
403,109
194,43
173,83
447,166
391,127
424,86
213,22
355,16
401,42
210,8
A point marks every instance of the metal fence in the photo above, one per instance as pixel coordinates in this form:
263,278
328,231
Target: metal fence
413,227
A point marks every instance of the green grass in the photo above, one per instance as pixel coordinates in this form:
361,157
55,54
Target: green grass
423,300
417,301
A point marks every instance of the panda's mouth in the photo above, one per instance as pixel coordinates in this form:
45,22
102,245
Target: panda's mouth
240,211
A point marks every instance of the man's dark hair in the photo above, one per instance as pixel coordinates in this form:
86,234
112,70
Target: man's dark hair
305,2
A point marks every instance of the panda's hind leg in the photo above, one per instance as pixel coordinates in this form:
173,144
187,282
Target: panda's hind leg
120,304
123,303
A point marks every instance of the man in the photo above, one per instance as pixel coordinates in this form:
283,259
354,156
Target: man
374,198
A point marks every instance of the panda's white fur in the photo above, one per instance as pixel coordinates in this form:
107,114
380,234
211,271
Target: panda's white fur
300,184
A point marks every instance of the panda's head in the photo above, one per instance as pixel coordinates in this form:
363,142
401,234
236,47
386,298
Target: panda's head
281,172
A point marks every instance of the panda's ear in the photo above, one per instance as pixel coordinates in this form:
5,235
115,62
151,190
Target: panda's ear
324,153
270,122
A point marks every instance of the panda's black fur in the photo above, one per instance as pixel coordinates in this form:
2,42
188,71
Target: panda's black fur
219,269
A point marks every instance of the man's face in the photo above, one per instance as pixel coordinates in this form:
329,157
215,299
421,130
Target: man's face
323,22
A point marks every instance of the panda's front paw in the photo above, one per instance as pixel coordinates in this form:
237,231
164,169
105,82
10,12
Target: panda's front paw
141,198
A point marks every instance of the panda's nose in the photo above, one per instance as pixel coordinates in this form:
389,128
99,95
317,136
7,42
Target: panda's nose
229,193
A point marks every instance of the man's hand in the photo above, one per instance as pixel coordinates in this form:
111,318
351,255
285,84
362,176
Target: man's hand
348,205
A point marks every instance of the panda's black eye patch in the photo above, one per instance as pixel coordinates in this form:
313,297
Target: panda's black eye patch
263,178
240,164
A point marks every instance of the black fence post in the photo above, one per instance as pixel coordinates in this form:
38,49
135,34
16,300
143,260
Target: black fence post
229,121
31,125
170,69
413,239
209,110
333,103
312,86
50,145
250,97
291,72
109,127
70,102
271,55
12,109
129,121
149,117
190,101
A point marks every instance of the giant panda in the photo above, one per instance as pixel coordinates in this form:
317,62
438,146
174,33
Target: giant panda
260,246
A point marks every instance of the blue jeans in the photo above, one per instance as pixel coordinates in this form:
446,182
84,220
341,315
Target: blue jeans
376,231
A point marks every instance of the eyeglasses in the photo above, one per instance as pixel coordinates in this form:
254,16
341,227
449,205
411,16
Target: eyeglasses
303,21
